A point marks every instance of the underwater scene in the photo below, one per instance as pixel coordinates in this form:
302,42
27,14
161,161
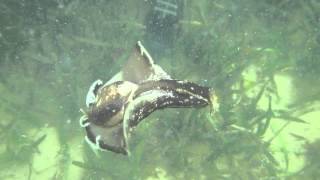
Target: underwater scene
159,89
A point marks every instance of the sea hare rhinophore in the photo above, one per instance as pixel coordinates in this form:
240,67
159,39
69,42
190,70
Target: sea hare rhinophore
116,107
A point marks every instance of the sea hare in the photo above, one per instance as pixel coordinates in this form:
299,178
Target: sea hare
140,88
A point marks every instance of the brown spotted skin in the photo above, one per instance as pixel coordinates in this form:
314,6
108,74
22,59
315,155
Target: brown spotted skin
108,107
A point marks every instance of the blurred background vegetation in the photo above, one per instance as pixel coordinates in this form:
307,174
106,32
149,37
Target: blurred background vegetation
262,59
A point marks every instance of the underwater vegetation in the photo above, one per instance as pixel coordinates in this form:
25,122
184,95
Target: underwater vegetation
260,57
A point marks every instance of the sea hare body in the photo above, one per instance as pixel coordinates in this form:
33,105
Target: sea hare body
116,107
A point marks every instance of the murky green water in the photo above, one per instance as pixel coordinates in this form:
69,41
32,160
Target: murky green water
260,58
